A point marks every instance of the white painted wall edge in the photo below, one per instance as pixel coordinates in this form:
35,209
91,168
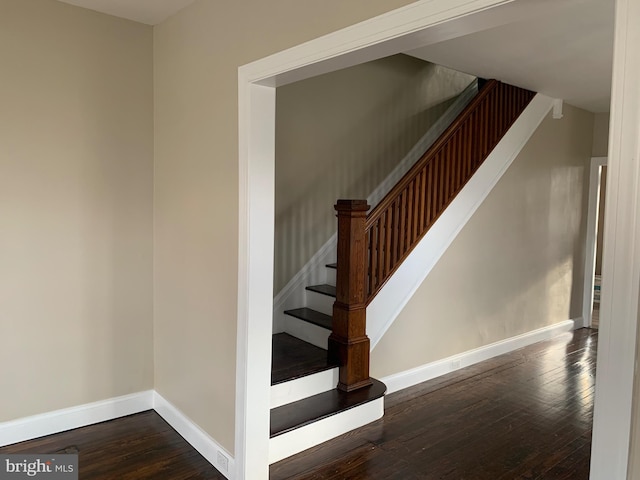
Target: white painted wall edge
591,237
390,301
435,369
292,294
57,421
195,436
619,310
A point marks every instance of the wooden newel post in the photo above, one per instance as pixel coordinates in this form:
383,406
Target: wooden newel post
348,343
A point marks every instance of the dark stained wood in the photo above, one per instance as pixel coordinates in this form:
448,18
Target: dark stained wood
372,247
304,412
447,166
324,289
523,415
293,358
348,342
136,447
312,316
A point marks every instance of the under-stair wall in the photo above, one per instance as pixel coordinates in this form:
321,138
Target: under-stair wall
513,271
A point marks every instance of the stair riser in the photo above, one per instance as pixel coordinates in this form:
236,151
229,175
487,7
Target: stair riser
321,303
287,444
331,276
294,390
306,331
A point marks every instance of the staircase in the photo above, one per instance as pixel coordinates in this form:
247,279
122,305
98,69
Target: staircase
327,344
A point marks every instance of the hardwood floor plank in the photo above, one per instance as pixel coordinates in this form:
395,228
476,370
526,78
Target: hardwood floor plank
141,446
523,415
526,414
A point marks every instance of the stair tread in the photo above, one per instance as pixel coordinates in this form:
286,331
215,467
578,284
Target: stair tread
312,316
294,358
324,289
312,409
332,265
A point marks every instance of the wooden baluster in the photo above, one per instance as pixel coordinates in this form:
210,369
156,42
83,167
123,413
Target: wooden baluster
348,342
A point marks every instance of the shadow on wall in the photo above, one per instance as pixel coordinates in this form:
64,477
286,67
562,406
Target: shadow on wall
339,135
516,266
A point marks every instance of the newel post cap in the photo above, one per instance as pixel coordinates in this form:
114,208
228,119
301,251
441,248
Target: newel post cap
352,206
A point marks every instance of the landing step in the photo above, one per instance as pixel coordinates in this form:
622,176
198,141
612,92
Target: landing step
312,316
311,421
309,410
293,358
324,289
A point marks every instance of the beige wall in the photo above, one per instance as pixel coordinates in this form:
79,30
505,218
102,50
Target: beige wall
515,267
339,135
76,163
196,56
600,143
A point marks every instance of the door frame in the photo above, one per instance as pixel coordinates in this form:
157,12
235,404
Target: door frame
595,172
423,22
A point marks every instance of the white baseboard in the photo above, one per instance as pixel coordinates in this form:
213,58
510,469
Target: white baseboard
287,444
57,421
195,436
435,369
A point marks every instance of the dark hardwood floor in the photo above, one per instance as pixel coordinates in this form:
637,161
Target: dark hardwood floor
141,446
524,415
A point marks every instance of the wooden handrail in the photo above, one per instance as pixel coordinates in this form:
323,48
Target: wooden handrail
372,247
375,214
402,218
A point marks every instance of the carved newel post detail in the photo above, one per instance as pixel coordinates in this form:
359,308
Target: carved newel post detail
348,343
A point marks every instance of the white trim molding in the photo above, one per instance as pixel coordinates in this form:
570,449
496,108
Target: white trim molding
557,109
195,436
256,126
418,24
57,421
613,420
591,237
390,301
435,369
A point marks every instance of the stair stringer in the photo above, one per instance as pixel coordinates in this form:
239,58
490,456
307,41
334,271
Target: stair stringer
402,285
294,295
